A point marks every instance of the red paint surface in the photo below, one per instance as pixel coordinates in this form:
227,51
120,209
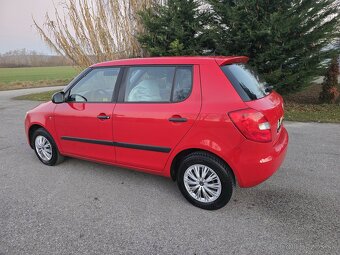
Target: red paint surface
208,127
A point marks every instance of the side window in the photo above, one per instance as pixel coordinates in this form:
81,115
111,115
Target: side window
182,84
149,84
97,86
157,84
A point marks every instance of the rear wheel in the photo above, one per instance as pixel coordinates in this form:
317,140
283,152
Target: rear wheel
205,181
45,148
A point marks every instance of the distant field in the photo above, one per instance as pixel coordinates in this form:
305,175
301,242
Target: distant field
29,77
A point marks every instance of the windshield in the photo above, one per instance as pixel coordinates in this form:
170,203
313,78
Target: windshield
246,81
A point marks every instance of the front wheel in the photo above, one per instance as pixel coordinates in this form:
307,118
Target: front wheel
205,181
45,148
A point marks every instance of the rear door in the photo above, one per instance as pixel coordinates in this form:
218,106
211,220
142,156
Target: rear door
256,94
157,105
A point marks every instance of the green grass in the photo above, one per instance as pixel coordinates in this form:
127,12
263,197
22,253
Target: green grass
42,96
30,77
304,106
312,112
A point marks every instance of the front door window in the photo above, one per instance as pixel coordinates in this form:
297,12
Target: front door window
97,86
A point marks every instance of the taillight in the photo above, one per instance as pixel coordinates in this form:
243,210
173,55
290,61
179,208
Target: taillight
252,124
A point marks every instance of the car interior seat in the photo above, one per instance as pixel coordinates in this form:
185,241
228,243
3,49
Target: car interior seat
145,91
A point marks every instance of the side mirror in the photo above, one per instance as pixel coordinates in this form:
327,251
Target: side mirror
58,97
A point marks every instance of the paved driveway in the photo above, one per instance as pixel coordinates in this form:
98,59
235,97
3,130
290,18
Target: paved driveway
81,207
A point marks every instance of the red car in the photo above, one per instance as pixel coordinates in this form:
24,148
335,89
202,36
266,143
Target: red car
206,122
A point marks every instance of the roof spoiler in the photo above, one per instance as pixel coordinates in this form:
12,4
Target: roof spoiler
221,61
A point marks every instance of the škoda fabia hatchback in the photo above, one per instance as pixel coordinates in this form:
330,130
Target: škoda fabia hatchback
206,122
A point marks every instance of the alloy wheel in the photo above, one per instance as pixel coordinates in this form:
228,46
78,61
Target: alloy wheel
43,148
202,183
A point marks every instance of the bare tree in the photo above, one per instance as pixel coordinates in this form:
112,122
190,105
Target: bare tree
93,31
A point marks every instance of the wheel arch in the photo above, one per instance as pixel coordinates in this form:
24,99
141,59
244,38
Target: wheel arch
31,130
182,154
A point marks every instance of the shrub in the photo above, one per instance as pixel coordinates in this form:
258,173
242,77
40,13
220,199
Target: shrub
330,87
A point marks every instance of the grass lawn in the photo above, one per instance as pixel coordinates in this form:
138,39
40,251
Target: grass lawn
42,96
30,77
304,106
312,112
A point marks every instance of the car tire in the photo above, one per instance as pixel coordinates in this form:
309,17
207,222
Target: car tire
45,148
205,181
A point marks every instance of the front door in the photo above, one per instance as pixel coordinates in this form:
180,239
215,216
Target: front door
157,105
84,122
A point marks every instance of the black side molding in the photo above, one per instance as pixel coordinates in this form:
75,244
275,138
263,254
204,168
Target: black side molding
84,140
119,144
143,147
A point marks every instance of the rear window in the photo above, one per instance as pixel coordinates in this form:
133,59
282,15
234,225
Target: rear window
246,81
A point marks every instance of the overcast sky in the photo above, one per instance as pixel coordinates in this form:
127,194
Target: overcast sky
16,29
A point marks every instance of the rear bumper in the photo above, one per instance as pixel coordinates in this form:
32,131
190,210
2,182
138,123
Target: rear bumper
256,162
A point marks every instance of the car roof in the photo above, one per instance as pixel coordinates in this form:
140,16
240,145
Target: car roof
220,60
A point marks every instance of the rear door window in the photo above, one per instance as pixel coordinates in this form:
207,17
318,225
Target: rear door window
152,84
249,85
182,84
149,84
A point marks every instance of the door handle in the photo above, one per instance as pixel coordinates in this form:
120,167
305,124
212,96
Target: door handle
177,119
103,117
